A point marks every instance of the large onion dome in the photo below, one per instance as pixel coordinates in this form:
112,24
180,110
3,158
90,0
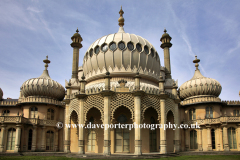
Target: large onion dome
1,94
121,54
43,86
199,85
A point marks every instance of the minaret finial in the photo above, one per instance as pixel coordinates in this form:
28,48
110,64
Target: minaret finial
165,31
77,30
196,61
121,19
46,61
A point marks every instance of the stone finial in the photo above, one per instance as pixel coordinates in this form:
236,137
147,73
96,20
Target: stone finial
77,30
196,61
83,77
46,61
121,19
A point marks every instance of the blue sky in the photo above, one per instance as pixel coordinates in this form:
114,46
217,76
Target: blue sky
31,29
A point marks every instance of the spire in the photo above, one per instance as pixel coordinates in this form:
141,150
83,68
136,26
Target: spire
121,21
45,72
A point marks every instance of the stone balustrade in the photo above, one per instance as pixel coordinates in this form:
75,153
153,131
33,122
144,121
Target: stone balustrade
23,120
213,120
32,99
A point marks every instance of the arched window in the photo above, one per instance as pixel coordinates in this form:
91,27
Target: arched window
213,139
193,139
49,140
192,114
122,136
153,137
50,114
6,113
11,139
30,139
232,138
91,137
209,112
235,112
33,112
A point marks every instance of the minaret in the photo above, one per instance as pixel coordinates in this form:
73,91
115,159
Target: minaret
76,44
165,46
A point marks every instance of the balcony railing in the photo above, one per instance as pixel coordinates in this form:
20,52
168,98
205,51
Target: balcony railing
213,120
23,120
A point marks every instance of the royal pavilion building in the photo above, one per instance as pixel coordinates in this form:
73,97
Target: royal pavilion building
121,81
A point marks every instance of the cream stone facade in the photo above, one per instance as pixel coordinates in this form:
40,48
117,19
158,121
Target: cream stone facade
121,81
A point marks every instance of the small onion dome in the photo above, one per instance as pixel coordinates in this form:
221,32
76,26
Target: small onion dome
165,35
199,85
43,86
1,94
76,34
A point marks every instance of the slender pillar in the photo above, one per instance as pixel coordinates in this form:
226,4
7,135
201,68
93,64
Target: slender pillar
219,137
209,138
165,46
137,112
200,140
43,139
238,137
225,138
34,138
107,140
18,138
56,140
67,130
81,97
3,137
107,104
176,119
81,129
163,140
177,130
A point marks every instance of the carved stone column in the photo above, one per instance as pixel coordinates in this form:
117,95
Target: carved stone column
67,121
220,138
225,138
34,138
107,112
200,140
209,138
163,139
81,148
18,138
106,121
137,117
238,137
43,143
3,137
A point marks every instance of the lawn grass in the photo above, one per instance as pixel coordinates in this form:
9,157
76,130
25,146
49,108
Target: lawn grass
201,157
